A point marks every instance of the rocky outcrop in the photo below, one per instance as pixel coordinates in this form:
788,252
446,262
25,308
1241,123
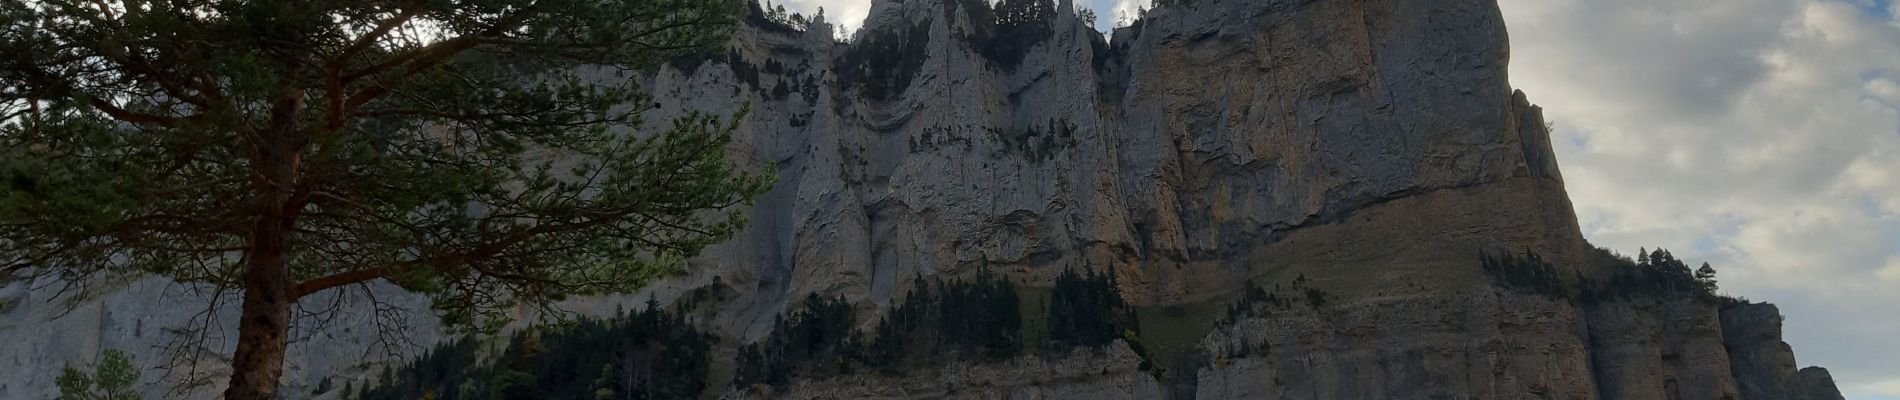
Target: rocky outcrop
1660,349
1369,149
1762,363
1487,345
1815,383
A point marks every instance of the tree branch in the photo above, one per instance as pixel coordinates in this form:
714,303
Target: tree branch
139,118
369,38
438,263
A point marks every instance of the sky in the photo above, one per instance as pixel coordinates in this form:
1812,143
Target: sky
1761,136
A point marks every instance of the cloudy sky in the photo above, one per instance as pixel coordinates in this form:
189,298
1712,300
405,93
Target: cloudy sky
1759,135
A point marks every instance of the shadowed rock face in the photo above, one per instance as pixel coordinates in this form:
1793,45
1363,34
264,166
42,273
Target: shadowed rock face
1763,364
1815,383
1374,147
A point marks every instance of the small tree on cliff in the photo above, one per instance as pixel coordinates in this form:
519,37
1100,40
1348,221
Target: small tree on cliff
1706,276
463,149
111,379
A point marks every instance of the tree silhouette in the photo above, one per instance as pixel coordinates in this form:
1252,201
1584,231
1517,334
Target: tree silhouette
1706,275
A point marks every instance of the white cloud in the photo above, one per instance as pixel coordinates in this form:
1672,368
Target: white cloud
1761,135
1891,273
1885,90
1126,11
847,13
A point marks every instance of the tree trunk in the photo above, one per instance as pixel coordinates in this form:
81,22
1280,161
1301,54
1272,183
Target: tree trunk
265,324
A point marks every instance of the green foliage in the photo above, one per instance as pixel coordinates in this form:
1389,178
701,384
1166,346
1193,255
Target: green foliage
1038,143
743,70
1655,274
650,354
323,385
978,319
1706,276
1087,310
904,333
481,152
1007,30
774,18
882,63
1254,302
656,354
981,316
111,379
1315,297
1528,273
816,340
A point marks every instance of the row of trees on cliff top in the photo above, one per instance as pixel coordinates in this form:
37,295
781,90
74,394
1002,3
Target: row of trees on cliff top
1651,274
279,149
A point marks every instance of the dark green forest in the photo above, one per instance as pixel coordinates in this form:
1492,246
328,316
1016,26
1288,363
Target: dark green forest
657,353
652,353
975,319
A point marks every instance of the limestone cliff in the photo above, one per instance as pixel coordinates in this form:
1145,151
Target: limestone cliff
1762,364
1371,150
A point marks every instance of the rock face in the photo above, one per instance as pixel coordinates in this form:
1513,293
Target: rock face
1671,349
1763,364
1371,149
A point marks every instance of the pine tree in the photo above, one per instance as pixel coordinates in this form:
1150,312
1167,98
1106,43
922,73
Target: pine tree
279,149
1706,275
111,379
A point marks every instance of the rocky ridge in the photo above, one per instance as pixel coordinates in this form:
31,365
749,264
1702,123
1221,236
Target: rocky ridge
1374,147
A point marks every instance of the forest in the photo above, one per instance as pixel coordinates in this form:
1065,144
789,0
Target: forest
651,353
656,353
974,319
